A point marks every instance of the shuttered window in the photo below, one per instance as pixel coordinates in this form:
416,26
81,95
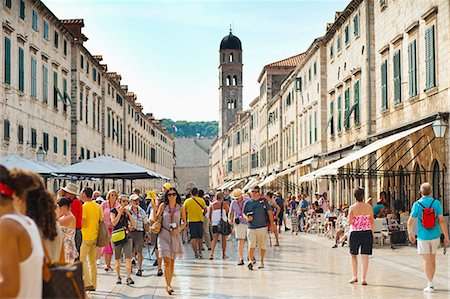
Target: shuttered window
412,68
33,77
22,9
55,144
347,109
7,60
55,93
65,147
332,118
45,84
356,104
21,70
339,113
430,58
397,77
384,86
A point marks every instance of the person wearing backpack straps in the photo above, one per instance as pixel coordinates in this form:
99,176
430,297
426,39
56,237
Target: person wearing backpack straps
196,209
431,224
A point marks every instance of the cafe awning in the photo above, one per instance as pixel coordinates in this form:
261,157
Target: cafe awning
251,183
333,168
296,167
268,180
15,161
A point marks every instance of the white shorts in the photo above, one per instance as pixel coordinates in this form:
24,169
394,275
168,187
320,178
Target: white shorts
257,237
428,246
241,231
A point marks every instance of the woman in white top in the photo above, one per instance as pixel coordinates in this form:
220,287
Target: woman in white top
21,257
218,209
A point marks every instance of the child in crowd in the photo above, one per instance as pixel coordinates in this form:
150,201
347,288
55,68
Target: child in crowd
294,222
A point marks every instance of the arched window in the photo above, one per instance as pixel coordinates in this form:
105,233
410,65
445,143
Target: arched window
228,80
436,181
223,57
231,57
417,182
234,80
402,202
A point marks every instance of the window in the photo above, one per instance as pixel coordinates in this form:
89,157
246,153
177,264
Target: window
347,109
46,30
231,57
65,47
33,138
339,108
45,141
228,80
109,125
82,153
6,129
310,128
109,92
309,75
338,44
356,103
331,51
346,35
81,106
315,126
8,3
56,40
87,106
87,67
34,20
81,61
331,118
384,86
356,25
33,77
44,84
7,60
22,9
298,84
315,68
430,57
55,86
55,144
88,154
65,96
153,155
65,147
234,80
21,70
412,69
397,78
99,78
20,134
94,73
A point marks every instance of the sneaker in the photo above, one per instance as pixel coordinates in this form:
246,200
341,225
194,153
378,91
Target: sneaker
429,289
119,280
160,272
254,261
200,256
130,281
250,266
139,272
334,246
261,266
155,263
287,229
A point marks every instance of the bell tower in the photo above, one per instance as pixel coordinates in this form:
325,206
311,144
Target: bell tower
230,81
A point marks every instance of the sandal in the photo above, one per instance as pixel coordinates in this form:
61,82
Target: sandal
353,280
241,262
169,290
160,272
364,283
139,272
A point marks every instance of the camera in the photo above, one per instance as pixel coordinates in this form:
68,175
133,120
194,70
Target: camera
237,221
173,226
249,214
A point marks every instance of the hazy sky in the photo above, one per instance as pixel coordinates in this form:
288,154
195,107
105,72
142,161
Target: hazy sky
168,51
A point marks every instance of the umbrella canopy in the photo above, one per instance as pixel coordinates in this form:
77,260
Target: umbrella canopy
14,161
109,168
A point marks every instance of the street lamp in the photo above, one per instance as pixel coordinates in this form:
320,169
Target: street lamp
314,163
40,154
439,127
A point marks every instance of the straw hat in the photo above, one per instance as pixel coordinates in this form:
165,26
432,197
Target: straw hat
236,193
71,188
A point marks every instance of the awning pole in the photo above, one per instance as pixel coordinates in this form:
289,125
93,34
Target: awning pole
392,154
434,137
406,152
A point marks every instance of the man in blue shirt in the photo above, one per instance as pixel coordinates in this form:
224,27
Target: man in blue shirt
380,204
428,239
258,213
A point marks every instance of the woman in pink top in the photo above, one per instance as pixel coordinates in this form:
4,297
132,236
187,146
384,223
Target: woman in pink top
360,219
107,206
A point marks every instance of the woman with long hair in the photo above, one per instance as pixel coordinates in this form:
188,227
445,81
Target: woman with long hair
67,221
277,211
39,204
107,206
170,244
218,210
22,255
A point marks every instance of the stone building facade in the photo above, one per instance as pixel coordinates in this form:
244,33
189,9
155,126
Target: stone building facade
362,106
57,96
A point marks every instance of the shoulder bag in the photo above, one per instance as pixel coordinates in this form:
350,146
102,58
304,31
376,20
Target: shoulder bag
156,226
103,238
223,228
204,209
60,279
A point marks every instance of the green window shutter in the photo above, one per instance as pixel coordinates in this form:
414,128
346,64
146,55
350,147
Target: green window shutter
33,77
347,109
356,102
339,111
7,60
347,35
310,129
109,125
55,144
81,106
21,70
339,43
55,93
397,78
412,69
45,84
22,9
332,118
430,63
65,147
315,126
356,25
384,91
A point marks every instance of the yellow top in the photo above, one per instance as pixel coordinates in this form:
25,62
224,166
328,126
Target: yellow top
195,210
91,216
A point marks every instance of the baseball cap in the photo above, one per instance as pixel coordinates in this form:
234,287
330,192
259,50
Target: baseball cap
167,186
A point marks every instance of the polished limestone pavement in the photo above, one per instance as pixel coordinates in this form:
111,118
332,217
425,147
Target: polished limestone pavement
305,266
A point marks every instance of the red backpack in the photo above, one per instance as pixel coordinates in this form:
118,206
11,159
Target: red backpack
428,216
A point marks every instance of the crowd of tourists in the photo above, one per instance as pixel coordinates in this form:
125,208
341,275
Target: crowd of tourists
38,228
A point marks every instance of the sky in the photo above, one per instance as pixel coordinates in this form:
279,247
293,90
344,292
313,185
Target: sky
168,51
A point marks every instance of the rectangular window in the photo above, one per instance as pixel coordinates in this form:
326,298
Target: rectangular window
339,44
65,147
55,93
412,68
8,3
56,40
347,109
339,113
88,154
384,86
81,106
299,84
430,58
21,70
6,129
22,9
356,25
99,78
7,60
346,35
33,77
315,69
94,73
82,153
356,102
315,126
20,134
86,109
87,67
45,141
44,84
65,48
332,118
331,52
55,144
310,128
34,20
309,75
81,61
33,138
46,36
65,94
397,78
152,155
109,125
109,92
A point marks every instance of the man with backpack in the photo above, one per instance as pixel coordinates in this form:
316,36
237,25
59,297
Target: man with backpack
430,225
196,209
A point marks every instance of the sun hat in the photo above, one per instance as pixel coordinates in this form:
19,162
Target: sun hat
71,188
167,186
236,193
151,194
134,197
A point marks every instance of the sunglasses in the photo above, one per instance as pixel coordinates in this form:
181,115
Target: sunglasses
171,194
125,201
255,191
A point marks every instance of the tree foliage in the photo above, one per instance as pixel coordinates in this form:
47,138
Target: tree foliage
188,129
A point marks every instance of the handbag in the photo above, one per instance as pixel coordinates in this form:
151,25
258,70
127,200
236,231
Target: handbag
119,235
156,226
223,228
103,238
61,280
